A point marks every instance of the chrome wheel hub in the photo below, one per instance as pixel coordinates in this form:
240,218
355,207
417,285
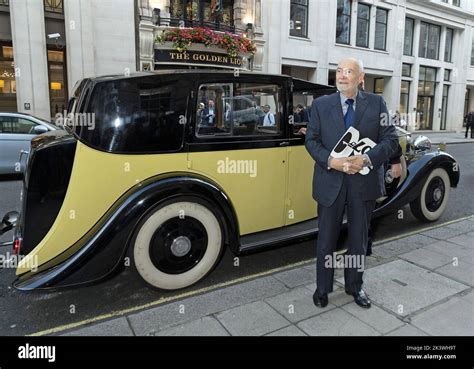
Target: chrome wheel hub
437,194
181,246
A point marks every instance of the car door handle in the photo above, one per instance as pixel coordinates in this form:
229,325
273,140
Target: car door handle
285,143
23,152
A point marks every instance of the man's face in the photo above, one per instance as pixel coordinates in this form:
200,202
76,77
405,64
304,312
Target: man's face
266,108
211,103
348,77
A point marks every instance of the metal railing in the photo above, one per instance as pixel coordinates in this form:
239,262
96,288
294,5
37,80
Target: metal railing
178,22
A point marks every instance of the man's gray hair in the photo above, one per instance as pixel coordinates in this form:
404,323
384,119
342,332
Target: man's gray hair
359,63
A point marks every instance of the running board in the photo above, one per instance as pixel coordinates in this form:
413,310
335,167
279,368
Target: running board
299,232
278,237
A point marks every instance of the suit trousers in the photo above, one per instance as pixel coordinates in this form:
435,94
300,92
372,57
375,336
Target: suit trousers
359,213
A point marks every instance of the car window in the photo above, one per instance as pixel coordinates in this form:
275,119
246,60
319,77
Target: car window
240,109
16,125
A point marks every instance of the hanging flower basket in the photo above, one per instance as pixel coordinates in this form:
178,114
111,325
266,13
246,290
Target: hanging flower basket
182,38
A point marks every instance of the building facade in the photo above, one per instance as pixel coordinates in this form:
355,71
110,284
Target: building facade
418,54
48,45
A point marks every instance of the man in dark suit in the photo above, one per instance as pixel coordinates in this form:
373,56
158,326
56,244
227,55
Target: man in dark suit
209,114
337,183
469,120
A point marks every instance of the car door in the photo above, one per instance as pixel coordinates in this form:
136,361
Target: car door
15,135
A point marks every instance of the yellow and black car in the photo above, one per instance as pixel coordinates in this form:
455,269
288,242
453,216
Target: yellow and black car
169,168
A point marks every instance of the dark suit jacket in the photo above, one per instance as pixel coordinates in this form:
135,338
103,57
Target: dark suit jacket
325,128
205,117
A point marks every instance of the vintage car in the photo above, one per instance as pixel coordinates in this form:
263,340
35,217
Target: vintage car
153,183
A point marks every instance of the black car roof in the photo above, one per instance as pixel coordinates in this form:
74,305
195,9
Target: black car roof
298,82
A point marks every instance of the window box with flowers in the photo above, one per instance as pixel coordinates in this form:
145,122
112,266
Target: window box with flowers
183,38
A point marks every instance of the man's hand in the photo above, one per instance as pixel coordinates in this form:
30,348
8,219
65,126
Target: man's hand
356,160
396,170
345,165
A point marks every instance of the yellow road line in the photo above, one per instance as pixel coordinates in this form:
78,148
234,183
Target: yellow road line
217,286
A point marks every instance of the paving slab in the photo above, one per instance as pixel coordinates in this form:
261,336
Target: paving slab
463,240
206,326
376,317
254,319
454,317
449,249
290,331
462,272
296,277
394,248
464,225
338,297
336,322
296,304
407,330
114,327
443,233
426,258
181,311
404,288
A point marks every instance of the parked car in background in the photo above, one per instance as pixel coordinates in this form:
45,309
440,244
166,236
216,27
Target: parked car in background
16,132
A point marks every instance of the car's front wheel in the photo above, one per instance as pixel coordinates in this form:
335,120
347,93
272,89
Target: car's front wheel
433,199
178,244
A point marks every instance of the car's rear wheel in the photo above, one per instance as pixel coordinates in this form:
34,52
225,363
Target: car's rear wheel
178,244
433,199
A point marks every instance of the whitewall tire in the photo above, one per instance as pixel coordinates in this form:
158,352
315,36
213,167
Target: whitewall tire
433,199
177,245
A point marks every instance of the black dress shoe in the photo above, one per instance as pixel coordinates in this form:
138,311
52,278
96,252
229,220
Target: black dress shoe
320,300
360,298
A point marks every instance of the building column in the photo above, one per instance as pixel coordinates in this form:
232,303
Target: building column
29,51
80,41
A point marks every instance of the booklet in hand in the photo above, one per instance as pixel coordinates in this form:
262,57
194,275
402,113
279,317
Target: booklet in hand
351,144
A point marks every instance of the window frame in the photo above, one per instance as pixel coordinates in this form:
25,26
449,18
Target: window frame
366,46
345,16
412,21
386,28
281,134
296,4
450,58
430,27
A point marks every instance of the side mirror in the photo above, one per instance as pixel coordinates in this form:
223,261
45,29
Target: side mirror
8,222
39,130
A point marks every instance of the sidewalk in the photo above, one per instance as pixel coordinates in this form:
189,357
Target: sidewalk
420,284
447,137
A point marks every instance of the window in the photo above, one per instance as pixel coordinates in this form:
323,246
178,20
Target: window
240,109
299,18
404,96
444,107
16,125
53,6
343,22
449,45
457,2
201,13
408,40
378,86
363,22
447,75
429,41
139,115
406,70
57,81
381,29
472,52
7,79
